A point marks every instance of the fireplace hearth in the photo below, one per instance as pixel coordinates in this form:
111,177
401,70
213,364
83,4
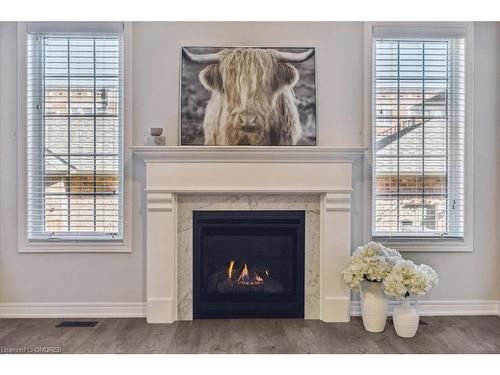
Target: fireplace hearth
248,264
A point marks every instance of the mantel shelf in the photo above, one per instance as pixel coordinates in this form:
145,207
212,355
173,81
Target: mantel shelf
302,154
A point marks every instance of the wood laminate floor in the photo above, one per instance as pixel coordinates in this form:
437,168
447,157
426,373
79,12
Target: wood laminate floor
464,334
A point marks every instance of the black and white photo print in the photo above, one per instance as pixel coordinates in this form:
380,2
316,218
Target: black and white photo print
248,96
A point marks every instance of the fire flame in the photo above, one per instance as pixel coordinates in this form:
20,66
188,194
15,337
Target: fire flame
230,270
244,277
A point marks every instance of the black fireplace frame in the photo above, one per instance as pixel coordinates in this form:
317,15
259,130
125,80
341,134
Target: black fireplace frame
261,305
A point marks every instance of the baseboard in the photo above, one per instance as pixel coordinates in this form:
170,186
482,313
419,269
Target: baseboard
73,310
138,310
445,307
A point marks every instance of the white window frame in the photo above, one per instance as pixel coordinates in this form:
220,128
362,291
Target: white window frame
69,246
420,29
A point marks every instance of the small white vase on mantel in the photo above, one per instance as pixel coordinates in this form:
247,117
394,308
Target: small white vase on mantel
374,306
405,318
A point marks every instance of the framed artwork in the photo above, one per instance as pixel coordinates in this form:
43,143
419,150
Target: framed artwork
233,96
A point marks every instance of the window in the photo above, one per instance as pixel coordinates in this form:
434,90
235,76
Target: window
74,136
418,136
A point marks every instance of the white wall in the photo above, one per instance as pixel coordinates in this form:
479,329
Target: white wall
49,277
156,57
339,54
475,275
498,166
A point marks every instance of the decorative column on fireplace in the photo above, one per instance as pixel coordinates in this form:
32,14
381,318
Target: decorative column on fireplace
248,264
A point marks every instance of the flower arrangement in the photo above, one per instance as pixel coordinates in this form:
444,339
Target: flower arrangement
372,262
392,276
407,278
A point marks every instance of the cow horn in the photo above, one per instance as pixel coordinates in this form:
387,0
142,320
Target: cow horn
209,58
290,57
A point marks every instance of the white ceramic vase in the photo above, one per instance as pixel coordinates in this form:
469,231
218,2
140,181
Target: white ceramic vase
406,318
374,306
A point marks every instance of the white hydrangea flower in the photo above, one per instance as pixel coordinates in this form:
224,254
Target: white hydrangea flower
392,255
432,276
371,262
407,278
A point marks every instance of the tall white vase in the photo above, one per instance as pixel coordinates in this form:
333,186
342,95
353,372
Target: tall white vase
374,306
406,318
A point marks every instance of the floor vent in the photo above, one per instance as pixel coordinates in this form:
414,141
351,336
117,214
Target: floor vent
75,324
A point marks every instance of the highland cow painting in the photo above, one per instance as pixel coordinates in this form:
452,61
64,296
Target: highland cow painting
248,96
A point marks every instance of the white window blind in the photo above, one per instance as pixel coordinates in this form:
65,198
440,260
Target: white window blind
74,136
418,137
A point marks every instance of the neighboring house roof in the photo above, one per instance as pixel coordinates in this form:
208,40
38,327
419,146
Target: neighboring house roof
411,142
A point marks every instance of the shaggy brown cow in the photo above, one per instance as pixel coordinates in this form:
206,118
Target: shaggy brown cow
252,100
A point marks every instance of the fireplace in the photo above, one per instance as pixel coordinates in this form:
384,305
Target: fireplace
248,264
174,173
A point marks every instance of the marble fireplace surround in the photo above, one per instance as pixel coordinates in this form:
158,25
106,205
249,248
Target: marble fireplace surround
181,179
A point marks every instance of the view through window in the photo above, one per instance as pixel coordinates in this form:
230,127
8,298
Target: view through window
75,137
418,137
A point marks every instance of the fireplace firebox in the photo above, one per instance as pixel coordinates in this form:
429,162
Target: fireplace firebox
248,264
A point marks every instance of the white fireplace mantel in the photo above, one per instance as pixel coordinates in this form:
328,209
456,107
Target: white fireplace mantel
171,171
248,153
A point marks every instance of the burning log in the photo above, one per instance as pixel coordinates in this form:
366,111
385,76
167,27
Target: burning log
246,280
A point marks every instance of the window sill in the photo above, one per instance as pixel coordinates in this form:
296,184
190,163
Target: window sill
426,245
75,247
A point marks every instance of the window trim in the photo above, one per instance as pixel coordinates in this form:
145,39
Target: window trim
70,246
426,244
